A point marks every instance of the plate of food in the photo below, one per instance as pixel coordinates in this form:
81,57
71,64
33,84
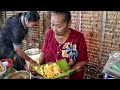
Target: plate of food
53,70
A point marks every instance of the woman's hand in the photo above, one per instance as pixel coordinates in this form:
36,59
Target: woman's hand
78,65
75,67
67,77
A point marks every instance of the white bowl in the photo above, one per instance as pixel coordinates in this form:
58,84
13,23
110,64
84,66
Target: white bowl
4,71
33,53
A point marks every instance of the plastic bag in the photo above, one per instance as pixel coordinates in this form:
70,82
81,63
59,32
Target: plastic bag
113,64
116,66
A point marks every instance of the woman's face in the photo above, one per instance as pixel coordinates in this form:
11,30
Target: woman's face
58,24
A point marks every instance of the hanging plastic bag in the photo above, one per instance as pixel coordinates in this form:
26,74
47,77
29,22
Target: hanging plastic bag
113,64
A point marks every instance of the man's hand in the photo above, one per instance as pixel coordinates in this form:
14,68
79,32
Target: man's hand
31,44
30,66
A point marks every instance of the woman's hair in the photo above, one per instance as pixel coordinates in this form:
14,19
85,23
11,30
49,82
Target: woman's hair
32,15
66,14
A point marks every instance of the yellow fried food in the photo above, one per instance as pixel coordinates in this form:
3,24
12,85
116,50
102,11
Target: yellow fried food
52,70
48,70
31,66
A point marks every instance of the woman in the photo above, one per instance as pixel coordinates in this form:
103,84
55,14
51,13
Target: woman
62,42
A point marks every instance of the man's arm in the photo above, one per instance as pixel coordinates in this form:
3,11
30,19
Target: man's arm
15,37
21,53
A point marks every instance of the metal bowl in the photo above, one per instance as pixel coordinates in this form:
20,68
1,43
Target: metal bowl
36,77
22,74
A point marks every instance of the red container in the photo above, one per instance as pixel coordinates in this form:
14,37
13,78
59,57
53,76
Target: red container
10,62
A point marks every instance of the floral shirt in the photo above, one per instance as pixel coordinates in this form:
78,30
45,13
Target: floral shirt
73,49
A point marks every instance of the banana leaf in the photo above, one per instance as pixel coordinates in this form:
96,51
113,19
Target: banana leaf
64,74
61,63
